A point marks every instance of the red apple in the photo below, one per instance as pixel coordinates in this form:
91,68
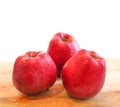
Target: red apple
61,47
83,75
34,72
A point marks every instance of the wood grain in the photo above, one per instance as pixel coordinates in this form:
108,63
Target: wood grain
56,96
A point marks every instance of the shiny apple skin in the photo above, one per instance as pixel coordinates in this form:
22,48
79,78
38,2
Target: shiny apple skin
61,47
34,72
84,74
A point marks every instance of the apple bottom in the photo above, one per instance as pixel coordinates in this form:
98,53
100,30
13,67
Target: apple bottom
84,87
84,94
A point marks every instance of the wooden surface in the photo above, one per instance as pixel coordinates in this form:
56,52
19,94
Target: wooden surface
109,96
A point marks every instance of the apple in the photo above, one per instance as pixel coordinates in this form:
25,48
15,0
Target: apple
83,75
34,72
61,47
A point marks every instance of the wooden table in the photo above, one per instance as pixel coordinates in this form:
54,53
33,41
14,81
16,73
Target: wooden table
57,96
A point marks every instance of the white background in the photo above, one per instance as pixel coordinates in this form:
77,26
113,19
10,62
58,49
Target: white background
28,25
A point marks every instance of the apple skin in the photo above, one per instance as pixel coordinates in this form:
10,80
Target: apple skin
83,75
61,47
34,72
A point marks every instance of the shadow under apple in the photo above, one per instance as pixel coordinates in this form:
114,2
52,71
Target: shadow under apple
52,91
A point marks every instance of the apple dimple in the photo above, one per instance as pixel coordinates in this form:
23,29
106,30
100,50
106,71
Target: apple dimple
94,55
65,37
32,54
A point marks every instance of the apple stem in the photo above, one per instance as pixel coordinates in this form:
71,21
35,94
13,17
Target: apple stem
47,89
